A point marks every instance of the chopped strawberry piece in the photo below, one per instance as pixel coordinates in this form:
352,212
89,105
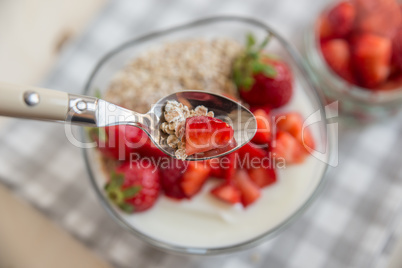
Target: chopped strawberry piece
194,177
263,135
292,123
227,192
171,176
371,55
266,108
338,22
394,83
288,148
337,55
251,151
397,49
204,133
223,167
250,192
381,17
262,177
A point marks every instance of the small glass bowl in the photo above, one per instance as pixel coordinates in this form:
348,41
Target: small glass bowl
234,28
355,103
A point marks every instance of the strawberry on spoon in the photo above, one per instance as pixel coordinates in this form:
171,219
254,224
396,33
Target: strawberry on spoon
204,133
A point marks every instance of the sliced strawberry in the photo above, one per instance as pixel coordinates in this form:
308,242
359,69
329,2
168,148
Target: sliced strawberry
381,17
337,55
134,187
251,151
262,177
266,108
250,192
371,55
393,83
227,192
171,175
194,177
288,148
397,49
292,123
223,167
263,135
338,22
204,133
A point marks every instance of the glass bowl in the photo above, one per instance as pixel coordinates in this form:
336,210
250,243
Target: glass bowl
298,192
356,104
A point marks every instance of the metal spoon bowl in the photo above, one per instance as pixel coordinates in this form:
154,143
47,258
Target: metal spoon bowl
236,115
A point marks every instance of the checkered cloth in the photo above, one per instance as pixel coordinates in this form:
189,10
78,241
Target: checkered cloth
347,226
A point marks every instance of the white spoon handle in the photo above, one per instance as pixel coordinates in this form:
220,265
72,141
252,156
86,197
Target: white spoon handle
33,102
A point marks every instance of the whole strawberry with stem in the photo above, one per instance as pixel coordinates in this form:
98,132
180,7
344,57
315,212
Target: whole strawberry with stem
133,187
261,79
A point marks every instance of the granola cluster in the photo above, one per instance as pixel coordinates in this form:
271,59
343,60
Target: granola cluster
175,115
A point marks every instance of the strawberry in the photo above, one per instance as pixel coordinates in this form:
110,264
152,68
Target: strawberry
194,177
181,179
266,108
337,55
262,80
371,55
397,49
381,17
223,167
251,151
204,133
288,148
292,123
171,176
250,192
227,192
263,135
133,188
120,141
393,83
338,22
262,177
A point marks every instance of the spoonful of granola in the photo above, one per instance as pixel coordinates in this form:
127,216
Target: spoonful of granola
188,125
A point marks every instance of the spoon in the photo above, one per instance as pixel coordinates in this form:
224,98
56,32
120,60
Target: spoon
51,105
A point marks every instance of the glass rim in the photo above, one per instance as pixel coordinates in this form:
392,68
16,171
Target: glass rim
184,250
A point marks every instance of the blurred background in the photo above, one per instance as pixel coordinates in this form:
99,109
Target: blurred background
50,216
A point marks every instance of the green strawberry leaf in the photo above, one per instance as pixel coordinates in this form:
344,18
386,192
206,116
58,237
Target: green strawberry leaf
98,93
250,63
250,42
131,191
116,180
264,43
269,71
97,133
128,208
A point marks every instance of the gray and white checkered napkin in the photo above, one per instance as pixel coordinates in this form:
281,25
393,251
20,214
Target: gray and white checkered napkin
347,226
